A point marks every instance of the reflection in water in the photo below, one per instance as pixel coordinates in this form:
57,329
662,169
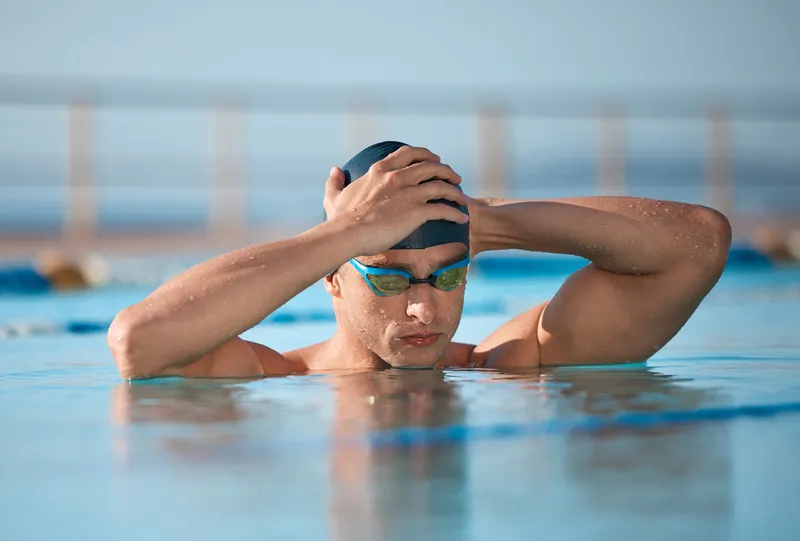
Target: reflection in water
203,406
680,476
375,493
176,401
397,493
673,477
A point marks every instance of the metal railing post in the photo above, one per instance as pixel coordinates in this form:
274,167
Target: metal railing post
362,128
226,209
493,152
611,158
718,178
80,215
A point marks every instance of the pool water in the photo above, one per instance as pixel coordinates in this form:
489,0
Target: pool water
702,442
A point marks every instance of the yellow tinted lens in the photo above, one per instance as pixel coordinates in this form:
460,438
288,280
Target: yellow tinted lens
451,279
389,284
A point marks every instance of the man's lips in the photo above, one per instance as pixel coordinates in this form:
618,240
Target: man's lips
420,339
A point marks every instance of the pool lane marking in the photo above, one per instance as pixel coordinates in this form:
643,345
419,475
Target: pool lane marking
417,436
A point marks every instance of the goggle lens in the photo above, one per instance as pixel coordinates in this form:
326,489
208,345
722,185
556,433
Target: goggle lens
394,284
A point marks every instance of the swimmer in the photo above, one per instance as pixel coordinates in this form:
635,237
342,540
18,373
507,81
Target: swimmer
393,254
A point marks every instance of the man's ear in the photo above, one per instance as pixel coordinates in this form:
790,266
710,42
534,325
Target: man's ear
333,283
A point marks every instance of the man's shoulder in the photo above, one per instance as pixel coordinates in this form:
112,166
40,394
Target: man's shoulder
307,357
515,344
457,355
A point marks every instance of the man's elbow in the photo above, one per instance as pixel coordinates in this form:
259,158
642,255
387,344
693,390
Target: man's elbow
720,227
714,236
124,343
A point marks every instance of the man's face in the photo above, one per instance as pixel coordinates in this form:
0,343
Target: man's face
411,329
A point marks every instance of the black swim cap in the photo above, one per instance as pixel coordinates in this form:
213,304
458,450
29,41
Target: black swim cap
431,233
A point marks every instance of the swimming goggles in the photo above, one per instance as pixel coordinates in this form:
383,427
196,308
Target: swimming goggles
388,282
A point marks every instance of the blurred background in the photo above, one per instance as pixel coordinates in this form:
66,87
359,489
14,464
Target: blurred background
176,127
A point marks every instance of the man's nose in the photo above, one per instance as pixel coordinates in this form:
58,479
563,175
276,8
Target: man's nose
421,304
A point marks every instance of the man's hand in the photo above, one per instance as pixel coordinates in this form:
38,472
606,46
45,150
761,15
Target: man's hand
391,200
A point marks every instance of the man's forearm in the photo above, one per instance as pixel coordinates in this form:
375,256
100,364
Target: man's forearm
625,235
214,301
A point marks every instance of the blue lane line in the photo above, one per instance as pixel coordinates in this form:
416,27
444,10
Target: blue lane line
424,436
281,317
415,437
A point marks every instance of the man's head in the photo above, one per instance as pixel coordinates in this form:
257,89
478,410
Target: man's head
410,329
395,315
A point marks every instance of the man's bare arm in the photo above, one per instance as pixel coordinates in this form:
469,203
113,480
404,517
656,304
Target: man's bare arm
652,263
191,317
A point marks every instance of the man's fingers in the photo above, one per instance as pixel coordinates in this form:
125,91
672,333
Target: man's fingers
420,172
333,187
335,182
440,211
439,189
405,156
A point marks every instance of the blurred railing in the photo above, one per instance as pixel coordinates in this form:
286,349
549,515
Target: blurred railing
228,106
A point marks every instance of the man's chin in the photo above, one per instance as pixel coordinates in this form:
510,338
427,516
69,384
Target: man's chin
418,361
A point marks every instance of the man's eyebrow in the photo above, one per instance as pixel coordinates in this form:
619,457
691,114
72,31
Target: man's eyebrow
383,264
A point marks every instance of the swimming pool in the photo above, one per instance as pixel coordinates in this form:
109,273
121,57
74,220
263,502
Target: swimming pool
702,442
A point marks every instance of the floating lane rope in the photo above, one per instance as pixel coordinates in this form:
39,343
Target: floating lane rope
281,317
416,437
425,436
